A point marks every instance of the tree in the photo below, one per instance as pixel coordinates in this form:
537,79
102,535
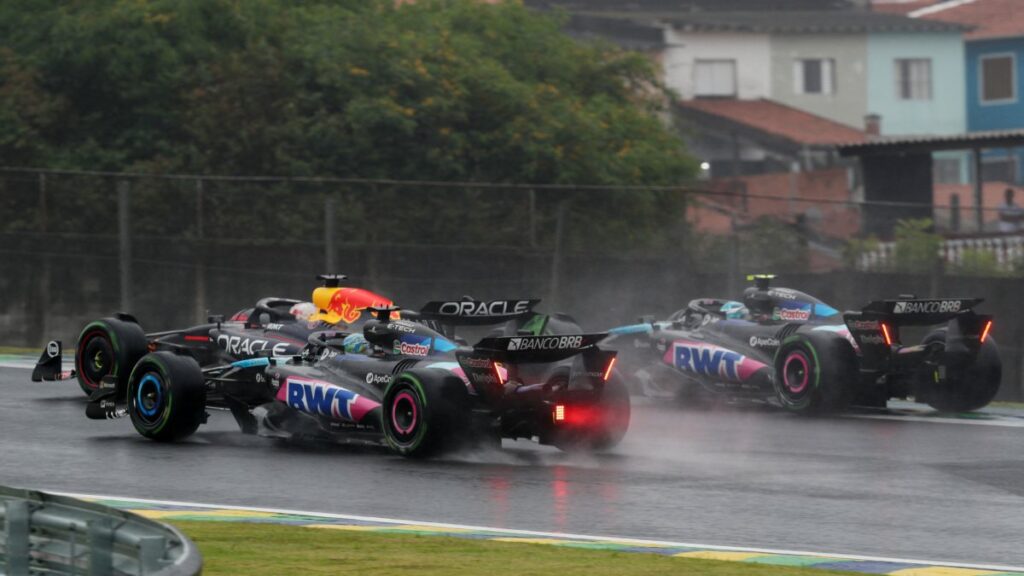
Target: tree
436,90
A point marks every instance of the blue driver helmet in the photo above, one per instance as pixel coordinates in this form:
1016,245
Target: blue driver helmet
355,344
733,310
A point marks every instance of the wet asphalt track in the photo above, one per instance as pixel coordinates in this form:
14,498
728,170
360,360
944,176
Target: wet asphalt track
744,476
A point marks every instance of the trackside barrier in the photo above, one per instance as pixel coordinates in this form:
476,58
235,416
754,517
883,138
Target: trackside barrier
47,534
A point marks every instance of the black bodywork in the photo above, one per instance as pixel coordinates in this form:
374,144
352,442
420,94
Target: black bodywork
793,348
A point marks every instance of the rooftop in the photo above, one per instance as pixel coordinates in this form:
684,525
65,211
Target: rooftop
789,22
774,119
988,18
898,145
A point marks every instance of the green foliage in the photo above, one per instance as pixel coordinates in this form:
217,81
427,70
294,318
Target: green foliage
856,248
917,245
975,262
434,90
764,245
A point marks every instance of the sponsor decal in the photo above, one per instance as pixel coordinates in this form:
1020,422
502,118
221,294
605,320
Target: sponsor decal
788,314
372,378
52,349
927,307
273,326
326,399
640,343
707,360
406,327
767,342
474,362
412,346
349,303
249,346
864,325
783,293
495,308
327,354
545,343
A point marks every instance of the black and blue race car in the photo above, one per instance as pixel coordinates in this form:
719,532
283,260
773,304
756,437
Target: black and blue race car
784,345
408,383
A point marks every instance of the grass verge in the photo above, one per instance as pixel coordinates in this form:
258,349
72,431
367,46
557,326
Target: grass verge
18,350
266,549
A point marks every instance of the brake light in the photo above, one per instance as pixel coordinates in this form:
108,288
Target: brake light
985,331
611,364
886,334
559,413
499,372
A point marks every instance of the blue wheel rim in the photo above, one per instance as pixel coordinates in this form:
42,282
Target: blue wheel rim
149,396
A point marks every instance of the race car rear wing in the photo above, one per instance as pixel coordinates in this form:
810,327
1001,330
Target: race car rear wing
493,360
476,312
876,327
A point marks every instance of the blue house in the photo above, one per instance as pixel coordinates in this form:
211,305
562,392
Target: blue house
994,53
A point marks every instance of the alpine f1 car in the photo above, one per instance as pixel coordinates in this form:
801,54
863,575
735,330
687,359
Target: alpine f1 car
784,344
276,326
408,386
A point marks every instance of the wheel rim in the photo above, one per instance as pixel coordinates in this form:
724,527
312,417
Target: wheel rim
149,397
95,358
404,414
796,374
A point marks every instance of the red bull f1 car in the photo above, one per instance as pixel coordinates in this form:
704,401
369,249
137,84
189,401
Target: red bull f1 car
782,344
274,326
410,387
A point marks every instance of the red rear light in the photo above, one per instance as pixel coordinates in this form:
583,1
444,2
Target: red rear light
559,413
611,364
498,371
887,334
985,331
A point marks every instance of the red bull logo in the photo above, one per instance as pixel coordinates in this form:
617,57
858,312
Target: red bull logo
346,305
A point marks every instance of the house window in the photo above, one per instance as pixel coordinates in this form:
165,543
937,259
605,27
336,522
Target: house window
715,78
814,76
946,170
998,78
999,169
914,78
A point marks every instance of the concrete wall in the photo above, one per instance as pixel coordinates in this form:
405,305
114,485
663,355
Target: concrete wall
751,52
946,112
848,103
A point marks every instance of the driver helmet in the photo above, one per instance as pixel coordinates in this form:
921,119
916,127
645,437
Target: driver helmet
355,344
735,310
303,311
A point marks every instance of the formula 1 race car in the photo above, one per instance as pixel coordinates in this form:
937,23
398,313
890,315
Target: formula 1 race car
278,326
781,343
411,387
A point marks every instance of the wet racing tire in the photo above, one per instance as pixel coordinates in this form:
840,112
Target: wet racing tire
166,396
108,347
815,373
603,424
425,413
970,388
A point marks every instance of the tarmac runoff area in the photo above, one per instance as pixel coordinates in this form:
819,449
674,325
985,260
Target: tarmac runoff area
868,490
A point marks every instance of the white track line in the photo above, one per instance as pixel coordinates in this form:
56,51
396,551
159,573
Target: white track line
1001,421
559,535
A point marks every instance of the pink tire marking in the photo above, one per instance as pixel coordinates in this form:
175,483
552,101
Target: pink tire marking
795,387
403,395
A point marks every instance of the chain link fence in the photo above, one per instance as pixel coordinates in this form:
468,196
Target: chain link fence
172,249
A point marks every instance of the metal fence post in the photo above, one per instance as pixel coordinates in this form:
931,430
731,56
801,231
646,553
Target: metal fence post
101,547
557,255
124,244
43,288
200,258
329,217
17,527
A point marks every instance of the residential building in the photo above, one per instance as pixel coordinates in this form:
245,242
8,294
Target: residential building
994,67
